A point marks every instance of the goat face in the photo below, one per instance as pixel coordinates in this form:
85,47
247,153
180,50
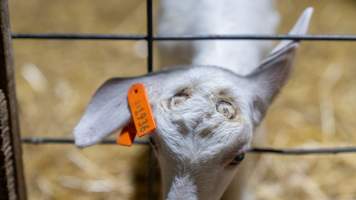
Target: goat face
204,125
205,118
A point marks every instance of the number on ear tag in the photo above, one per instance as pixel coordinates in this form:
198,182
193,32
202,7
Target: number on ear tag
141,110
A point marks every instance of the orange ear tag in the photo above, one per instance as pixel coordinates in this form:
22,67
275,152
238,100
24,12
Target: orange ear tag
142,122
127,135
141,110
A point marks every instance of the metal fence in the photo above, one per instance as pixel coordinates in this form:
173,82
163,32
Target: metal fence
150,38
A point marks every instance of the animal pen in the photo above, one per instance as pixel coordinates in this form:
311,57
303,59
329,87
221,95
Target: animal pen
12,184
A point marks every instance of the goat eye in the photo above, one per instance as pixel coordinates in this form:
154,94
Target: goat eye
238,159
180,97
226,109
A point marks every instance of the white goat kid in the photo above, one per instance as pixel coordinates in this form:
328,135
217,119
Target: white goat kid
206,116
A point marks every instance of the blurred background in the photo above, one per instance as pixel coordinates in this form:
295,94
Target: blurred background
55,80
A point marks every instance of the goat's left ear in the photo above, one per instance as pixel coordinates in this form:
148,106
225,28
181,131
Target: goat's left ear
108,110
272,74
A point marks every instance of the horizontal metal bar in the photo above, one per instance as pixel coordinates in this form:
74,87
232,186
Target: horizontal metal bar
304,151
62,140
79,36
264,150
261,37
75,36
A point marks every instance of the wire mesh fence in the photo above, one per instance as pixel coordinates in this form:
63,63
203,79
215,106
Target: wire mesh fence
150,38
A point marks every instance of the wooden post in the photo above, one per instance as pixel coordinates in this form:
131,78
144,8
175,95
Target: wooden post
12,182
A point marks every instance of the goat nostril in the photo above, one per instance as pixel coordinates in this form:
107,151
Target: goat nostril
178,100
180,97
226,109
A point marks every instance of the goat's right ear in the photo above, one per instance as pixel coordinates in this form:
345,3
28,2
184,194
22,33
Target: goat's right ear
272,74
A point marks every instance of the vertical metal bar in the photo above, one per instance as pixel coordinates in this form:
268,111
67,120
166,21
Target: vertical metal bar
152,162
149,35
11,176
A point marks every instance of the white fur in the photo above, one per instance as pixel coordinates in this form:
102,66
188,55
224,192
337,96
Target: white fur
196,136
187,17
183,188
